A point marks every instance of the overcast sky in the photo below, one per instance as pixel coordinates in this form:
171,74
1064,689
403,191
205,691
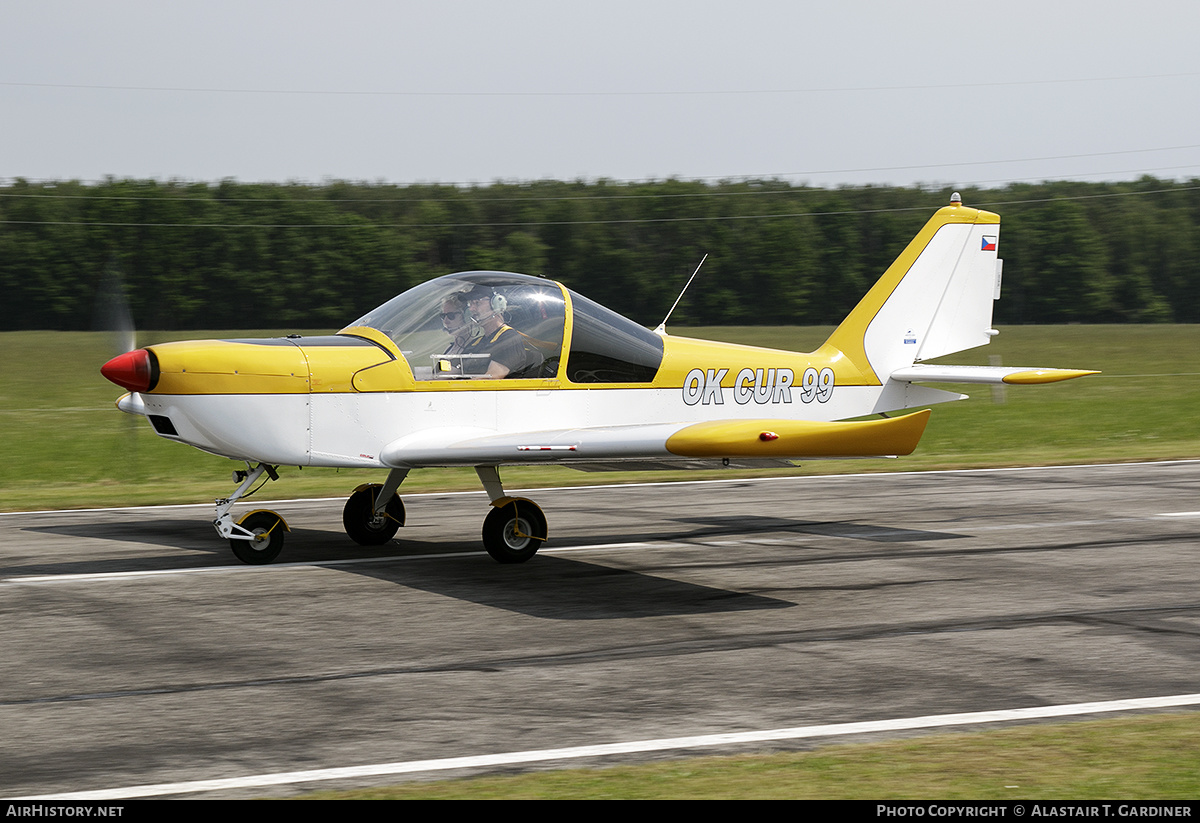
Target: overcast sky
820,92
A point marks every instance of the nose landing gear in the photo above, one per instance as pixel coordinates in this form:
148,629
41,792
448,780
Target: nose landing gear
258,537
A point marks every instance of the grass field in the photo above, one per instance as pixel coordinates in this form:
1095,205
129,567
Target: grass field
64,445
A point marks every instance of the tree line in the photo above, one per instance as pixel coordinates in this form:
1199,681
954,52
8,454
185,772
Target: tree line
233,255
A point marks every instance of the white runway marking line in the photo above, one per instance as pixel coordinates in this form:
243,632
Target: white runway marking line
663,744
239,569
93,577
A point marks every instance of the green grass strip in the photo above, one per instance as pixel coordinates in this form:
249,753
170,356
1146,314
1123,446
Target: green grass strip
1153,757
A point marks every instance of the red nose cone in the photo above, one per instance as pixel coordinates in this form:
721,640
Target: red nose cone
133,370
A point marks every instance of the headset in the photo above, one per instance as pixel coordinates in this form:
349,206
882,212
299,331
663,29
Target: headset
498,302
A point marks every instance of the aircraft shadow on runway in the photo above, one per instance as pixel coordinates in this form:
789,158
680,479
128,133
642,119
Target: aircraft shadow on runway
561,588
188,535
549,587
552,587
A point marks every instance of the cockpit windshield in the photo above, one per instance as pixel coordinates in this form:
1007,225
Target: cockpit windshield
476,325
500,325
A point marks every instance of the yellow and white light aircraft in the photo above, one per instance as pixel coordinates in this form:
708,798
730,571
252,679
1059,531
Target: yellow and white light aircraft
488,368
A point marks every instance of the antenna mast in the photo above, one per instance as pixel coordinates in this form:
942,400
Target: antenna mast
662,327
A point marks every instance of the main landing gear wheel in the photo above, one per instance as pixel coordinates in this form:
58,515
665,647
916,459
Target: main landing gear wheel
267,528
514,531
365,527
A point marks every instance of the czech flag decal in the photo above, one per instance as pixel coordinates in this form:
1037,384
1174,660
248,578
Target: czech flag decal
989,243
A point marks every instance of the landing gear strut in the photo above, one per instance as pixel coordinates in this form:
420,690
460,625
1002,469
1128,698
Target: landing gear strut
515,528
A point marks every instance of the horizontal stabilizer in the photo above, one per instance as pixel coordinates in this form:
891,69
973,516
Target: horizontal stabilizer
1016,375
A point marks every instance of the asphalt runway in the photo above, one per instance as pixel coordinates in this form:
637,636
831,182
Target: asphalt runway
137,651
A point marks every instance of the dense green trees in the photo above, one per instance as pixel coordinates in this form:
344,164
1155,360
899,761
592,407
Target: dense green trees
232,255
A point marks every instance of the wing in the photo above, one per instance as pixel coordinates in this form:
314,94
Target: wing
768,439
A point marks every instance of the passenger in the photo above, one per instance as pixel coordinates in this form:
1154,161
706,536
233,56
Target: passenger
505,345
454,323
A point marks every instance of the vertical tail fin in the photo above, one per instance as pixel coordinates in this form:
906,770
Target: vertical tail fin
935,299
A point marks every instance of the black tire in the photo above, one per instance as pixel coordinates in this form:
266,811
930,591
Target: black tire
513,533
268,529
362,524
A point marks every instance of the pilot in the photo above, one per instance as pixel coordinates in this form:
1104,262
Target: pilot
505,345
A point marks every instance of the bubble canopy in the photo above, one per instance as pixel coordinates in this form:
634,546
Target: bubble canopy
458,325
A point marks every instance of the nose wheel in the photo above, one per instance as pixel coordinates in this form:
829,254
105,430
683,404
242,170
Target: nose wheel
265,530
514,530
